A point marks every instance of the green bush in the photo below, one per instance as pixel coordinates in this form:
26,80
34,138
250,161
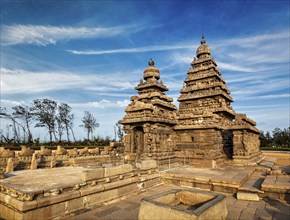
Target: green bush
275,148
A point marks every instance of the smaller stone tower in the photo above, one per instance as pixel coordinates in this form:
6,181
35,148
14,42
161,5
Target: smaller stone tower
150,117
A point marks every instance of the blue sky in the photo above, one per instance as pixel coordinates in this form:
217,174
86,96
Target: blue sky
91,54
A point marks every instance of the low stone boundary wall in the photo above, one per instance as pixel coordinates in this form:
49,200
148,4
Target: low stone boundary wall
87,188
45,158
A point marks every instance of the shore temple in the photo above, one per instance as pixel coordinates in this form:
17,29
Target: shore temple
205,128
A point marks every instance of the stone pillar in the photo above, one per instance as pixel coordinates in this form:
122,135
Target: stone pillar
146,129
132,134
10,165
145,143
140,144
33,162
52,162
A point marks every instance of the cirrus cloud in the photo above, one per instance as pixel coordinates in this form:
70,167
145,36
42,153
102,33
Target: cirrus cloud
43,35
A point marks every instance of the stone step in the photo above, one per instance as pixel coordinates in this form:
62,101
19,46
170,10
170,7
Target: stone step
252,187
247,196
267,164
253,183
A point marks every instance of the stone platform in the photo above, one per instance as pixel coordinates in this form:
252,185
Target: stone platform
55,193
70,191
215,179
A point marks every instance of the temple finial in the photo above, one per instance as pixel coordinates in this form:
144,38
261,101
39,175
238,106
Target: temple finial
151,62
202,40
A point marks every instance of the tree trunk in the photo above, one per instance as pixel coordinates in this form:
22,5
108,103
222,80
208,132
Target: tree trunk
73,134
29,136
67,132
15,130
55,138
50,135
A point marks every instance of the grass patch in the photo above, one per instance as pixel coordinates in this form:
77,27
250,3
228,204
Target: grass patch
275,148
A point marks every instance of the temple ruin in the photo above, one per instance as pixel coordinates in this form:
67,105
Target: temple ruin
204,129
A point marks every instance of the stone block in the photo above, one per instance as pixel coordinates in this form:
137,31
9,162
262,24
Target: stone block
10,165
117,184
152,182
98,198
247,196
121,169
6,153
146,164
92,190
93,174
48,212
19,205
74,205
49,200
73,152
6,212
186,183
127,189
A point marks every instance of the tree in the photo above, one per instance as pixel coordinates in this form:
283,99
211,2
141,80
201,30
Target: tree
281,137
5,115
89,123
119,131
70,126
60,127
265,139
65,118
45,110
26,115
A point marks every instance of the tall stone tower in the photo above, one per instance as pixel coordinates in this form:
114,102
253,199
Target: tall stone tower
149,119
208,130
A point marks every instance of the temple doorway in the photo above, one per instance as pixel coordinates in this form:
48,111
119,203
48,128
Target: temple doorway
227,136
138,140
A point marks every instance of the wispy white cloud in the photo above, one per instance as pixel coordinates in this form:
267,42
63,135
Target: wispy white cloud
123,103
252,41
258,107
6,102
251,51
274,96
102,104
15,81
244,54
44,35
131,50
235,67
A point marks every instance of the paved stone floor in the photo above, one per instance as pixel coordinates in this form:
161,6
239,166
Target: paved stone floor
237,209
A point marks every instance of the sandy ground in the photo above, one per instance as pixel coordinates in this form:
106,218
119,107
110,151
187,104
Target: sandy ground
283,159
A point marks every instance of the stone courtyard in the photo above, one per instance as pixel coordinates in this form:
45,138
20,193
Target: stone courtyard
267,208
252,192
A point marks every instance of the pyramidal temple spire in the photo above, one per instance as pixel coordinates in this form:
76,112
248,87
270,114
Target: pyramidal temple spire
151,62
203,41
